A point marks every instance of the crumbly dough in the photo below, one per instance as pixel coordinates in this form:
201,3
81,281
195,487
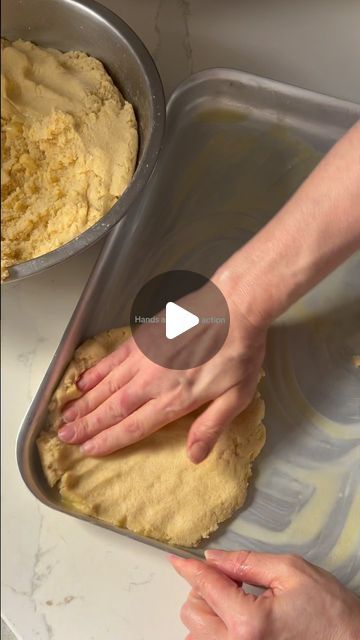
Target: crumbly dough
69,147
151,487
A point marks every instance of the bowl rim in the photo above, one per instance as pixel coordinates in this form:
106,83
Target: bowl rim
143,169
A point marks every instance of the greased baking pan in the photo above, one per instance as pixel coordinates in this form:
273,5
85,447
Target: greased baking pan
236,148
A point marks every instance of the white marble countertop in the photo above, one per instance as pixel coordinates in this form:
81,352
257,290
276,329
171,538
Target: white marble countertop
63,578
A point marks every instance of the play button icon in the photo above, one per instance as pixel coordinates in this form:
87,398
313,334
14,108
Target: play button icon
178,320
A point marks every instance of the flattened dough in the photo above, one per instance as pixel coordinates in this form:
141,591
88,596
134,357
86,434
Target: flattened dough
151,487
69,147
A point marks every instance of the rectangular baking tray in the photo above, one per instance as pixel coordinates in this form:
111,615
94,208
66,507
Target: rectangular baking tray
236,148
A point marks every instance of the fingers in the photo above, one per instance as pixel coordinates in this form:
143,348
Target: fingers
200,619
126,417
222,594
90,378
261,569
208,426
109,413
135,427
151,415
112,383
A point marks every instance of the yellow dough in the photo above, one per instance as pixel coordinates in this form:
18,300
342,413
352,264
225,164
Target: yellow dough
69,147
151,487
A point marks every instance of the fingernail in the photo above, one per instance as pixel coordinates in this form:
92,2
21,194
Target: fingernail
215,555
66,433
81,383
88,448
70,414
198,452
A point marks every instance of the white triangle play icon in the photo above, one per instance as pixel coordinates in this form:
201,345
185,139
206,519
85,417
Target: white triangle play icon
178,320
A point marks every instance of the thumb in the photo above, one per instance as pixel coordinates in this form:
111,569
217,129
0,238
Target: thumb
207,427
260,569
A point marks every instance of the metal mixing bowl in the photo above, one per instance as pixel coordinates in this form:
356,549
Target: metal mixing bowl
88,26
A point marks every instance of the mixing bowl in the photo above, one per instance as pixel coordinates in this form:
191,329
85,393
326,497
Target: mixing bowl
87,26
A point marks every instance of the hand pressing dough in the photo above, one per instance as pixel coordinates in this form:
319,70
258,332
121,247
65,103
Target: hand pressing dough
69,145
151,487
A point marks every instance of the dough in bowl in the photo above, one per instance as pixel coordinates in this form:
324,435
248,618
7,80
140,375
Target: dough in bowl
151,487
69,147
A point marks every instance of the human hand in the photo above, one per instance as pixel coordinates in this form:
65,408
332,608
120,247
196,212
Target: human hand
127,397
301,601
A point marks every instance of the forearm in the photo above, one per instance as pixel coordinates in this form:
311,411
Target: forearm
316,230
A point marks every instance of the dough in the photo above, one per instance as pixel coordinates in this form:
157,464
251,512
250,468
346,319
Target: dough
69,145
151,487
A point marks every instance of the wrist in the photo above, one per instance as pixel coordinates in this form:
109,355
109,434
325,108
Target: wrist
245,282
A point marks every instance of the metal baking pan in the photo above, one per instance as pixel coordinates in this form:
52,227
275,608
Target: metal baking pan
236,148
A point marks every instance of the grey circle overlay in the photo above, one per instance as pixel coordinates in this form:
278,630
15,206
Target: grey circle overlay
194,293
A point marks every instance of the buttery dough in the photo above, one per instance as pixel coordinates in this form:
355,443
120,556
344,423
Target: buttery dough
151,487
69,147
